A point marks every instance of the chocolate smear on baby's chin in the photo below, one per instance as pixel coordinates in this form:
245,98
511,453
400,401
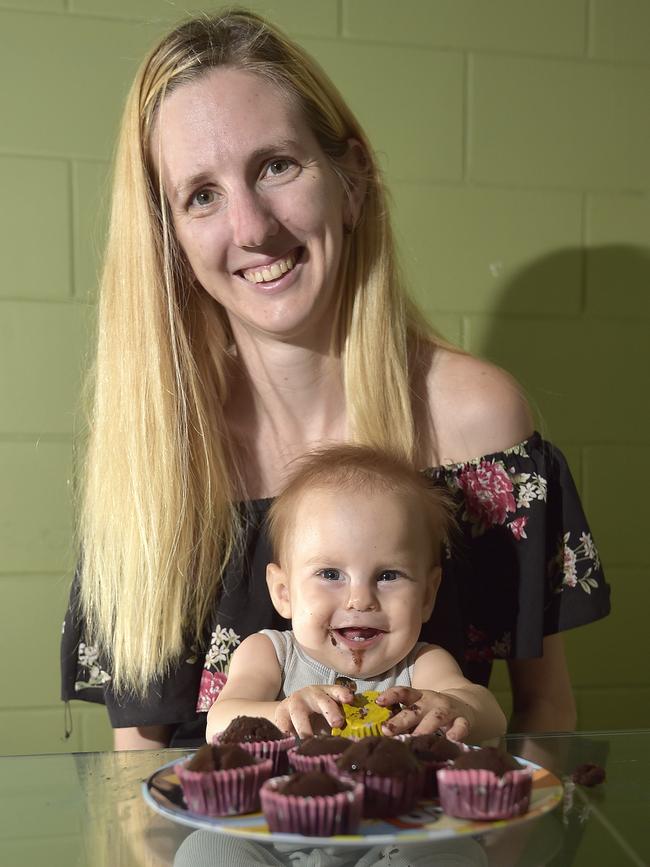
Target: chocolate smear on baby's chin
357,659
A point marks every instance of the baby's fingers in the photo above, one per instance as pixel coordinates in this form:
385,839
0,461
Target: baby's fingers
404,721
399,695
459,731
283,718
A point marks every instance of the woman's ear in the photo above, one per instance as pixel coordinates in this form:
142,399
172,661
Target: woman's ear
278,583
433,582
355,165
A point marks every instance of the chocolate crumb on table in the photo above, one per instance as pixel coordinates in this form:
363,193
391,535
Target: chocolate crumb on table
588,775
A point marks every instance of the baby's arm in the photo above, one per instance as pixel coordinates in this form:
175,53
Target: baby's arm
441,697
252,688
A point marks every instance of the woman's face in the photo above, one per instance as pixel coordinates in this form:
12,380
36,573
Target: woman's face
256,205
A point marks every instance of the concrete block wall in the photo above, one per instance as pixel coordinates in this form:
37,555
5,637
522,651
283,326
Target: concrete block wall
515,137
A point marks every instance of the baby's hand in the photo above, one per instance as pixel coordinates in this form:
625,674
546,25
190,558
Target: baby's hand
293,713
426,711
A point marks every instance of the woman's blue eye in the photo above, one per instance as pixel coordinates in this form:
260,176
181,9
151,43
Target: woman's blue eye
388,575
278,167
330,574
203,198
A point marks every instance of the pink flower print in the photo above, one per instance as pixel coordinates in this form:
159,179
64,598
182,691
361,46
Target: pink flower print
488,494
569,567
212,682
518,528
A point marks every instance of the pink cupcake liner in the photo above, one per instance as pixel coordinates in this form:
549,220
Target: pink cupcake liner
223,793
275,750
387,796
318,816
324,762
481,794
430,779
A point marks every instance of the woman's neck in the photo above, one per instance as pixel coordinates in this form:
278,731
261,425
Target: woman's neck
285,400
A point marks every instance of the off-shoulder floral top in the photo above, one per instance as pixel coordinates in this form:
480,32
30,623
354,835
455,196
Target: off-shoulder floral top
522,566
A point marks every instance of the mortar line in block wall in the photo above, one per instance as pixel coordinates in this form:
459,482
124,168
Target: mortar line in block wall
71,177
589,28
466,114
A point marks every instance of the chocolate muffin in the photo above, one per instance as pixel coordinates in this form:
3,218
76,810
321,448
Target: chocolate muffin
225,758
313,804
485,784
317,753
247,729
222,781
434,751
490,759
312,784
391,775
260,737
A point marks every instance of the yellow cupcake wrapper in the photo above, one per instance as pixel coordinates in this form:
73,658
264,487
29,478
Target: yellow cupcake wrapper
364,717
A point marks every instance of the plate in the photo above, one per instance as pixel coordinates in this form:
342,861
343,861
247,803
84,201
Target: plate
162,792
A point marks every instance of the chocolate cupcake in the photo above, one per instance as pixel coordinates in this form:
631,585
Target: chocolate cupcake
485,784
391,775
313,804
260,737
222,781
317,753
434,752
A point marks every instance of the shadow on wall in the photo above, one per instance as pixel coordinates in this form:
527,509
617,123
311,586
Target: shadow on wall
573,328
582,353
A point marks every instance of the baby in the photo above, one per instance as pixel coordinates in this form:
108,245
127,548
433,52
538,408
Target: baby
357,537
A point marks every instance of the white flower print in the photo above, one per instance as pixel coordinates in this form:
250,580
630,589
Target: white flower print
573,560
588,544
535,489
222,645
87,658
525,495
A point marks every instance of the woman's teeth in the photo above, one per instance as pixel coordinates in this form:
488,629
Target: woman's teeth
270,272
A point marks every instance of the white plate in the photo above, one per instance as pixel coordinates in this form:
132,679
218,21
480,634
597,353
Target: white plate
162,792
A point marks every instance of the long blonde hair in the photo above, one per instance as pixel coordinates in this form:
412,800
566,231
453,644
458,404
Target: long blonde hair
158,517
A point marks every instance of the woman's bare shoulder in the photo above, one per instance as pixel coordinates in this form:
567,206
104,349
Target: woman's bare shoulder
476,407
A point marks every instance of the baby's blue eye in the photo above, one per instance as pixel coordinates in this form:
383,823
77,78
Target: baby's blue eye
330,574
388,575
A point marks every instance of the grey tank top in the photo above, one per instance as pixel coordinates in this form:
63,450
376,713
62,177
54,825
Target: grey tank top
300,670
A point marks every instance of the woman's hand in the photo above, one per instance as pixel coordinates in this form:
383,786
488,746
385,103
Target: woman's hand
294,712
425,711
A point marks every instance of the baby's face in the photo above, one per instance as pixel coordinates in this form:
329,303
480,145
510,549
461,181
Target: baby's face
359,579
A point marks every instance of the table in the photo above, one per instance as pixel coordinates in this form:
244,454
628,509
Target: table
86,809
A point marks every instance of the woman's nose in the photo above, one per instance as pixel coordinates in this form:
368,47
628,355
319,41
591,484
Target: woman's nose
251,219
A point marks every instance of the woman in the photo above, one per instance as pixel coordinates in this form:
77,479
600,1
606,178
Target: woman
251,309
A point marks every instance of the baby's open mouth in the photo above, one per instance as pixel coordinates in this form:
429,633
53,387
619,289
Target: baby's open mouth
358,633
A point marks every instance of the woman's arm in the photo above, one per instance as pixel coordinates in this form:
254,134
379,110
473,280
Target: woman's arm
542,698
142,738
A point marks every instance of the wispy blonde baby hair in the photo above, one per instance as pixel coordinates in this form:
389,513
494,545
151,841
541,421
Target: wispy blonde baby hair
354,468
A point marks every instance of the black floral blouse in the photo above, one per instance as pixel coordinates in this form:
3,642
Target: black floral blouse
522,565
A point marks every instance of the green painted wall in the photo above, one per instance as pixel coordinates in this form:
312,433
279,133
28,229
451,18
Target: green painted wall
516,140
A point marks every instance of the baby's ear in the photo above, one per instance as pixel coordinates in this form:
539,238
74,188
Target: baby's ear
278,583
433,582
